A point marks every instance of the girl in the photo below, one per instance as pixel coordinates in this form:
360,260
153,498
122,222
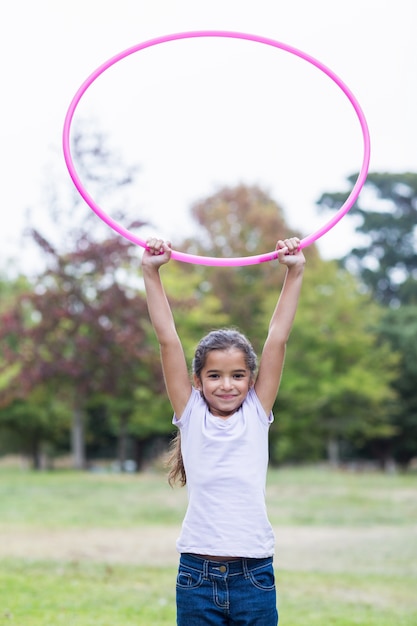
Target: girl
226,544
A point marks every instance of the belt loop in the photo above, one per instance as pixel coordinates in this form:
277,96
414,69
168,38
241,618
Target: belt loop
205,569
245,568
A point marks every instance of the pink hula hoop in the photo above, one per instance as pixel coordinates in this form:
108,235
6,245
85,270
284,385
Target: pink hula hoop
204,260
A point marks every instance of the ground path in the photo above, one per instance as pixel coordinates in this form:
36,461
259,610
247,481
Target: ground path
327,549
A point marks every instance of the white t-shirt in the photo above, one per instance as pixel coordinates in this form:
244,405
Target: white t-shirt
226,462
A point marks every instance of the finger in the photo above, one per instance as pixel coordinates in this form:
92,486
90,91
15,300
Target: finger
155,246
282,252
292,244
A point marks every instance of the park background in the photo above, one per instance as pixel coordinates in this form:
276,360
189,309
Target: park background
223,148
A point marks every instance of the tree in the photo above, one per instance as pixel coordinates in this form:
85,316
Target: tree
336,389
80,324
36,426
335,393
80,329
240,221
399,327
387,266
26,425
109,181
387,212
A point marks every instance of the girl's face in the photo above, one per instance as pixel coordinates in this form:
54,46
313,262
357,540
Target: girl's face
224,381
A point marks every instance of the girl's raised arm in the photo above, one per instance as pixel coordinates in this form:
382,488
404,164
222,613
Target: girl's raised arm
174,365
273,353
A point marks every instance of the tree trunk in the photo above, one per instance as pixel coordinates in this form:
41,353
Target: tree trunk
78,440
36,454
140,446
333,451
123,441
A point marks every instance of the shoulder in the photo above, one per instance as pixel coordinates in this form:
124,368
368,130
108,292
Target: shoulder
195,403
254,405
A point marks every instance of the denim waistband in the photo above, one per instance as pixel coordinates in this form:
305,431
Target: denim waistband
235,566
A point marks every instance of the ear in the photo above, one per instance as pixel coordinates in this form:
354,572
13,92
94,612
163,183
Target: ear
197,382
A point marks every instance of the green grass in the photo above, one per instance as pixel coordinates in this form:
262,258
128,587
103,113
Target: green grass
79,594
73,500
74,594
356,567
295,497
346,600
300,497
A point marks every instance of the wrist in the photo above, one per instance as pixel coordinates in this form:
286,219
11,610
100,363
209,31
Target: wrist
297,269
150,270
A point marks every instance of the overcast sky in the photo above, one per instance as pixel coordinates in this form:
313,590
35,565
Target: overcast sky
199,114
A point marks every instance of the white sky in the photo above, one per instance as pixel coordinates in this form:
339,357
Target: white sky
199,114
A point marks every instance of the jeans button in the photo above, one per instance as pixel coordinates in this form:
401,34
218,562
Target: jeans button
222,568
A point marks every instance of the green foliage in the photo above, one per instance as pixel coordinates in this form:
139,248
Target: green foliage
80,333
387,265
78,328
35,426
399,328
239,221
336,383
10,289
387,212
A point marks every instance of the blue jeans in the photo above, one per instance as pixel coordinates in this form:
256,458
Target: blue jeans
238,593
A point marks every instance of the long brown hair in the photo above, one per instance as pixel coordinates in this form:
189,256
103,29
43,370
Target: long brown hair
222,339
175,463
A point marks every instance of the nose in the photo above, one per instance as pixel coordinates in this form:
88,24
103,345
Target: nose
227,383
